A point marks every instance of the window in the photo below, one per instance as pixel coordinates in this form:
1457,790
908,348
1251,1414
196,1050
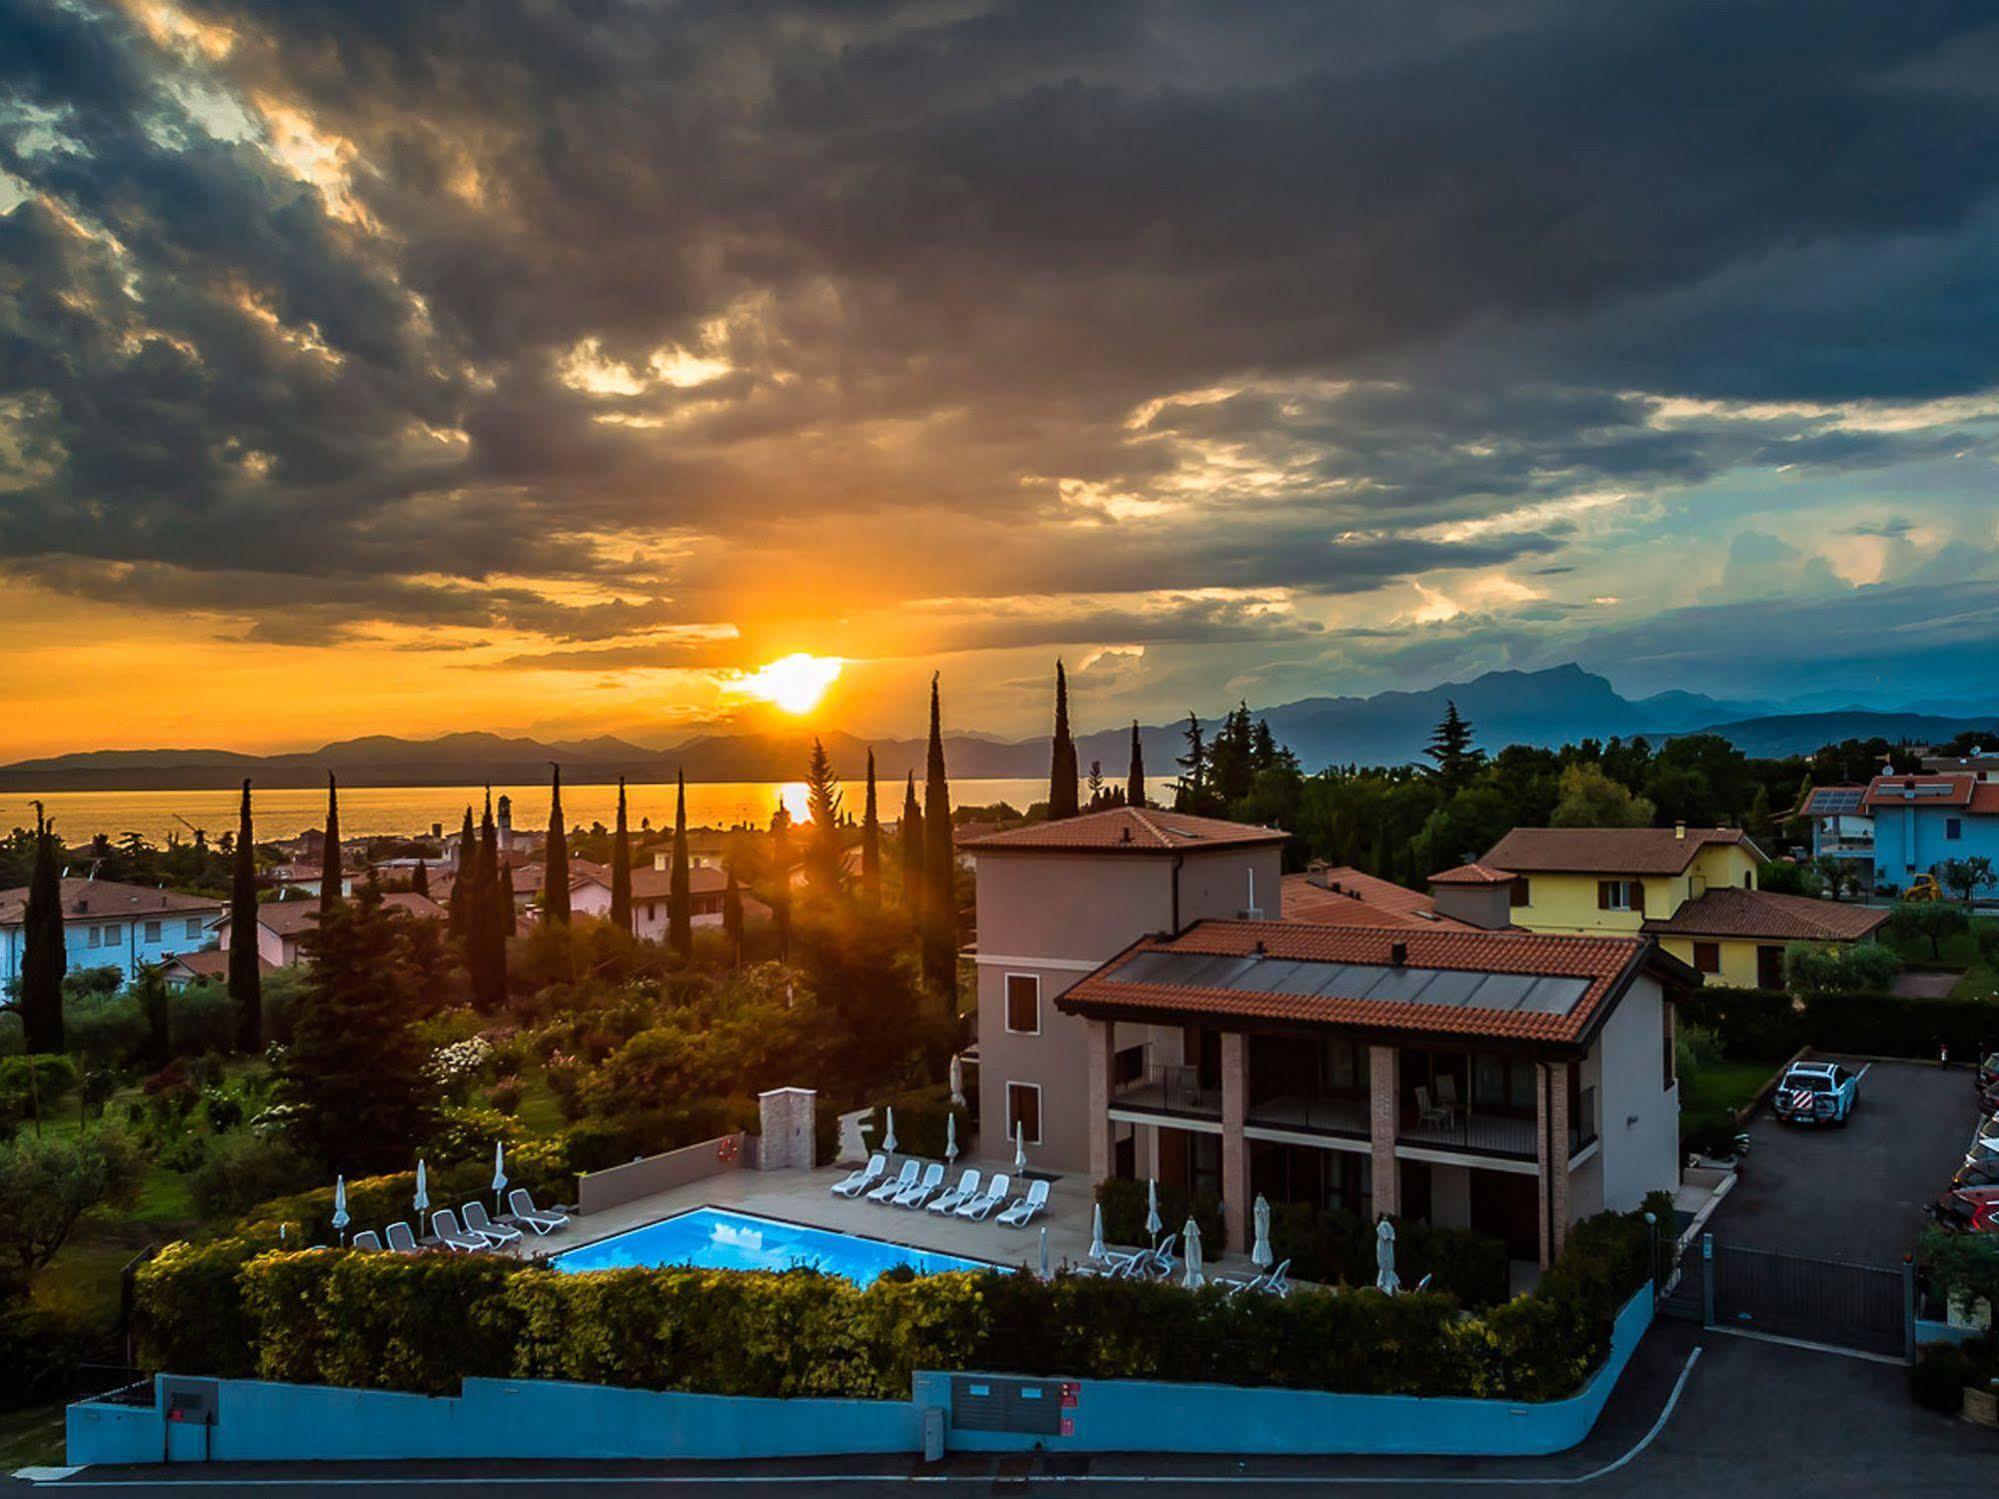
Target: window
112,934
1519,894
1023,1004
90,937
152,931
1620,895
194,929
1953,828
1707,957
1748,879
1023,1111
1670,1060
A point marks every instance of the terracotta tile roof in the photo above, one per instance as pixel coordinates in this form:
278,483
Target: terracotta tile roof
1606,850
1349,897
1474,874
85,900
289,918
657,884
1963,792
1730,912
1127,830
212,963
1604,965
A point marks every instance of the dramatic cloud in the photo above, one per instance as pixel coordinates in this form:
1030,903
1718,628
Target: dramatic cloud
1276,347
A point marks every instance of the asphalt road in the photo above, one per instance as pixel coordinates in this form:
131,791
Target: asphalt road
1856,1193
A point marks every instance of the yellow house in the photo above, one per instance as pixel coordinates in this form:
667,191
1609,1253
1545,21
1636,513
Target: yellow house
1692,888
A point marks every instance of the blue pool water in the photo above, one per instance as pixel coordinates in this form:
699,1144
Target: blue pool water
713,1239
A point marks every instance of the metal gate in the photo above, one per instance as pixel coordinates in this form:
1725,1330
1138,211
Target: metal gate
1868,1307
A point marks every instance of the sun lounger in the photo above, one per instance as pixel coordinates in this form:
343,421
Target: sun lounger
1022,1212
976,1208
444,1226
366,1239
1262,1281
473,1216
402,1238
1160,1263
526,1215
902,1183
951,1201
858,1182
916,1196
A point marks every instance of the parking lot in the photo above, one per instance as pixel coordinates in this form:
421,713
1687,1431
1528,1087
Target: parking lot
1856,1193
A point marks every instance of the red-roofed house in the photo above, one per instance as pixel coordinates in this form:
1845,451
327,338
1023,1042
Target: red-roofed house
1923,822
108,924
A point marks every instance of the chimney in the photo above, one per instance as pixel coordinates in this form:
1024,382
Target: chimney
83,905
1680,831
1398,953
1251,912
1315,874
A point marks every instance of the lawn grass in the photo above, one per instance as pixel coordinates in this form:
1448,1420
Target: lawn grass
1720,1086
539,1114
32,1438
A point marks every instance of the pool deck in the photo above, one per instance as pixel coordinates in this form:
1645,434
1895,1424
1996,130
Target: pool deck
804,1197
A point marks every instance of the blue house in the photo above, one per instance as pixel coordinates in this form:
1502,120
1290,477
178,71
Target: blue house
1922,822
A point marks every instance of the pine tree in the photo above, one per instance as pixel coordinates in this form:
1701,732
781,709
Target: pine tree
461,912
1451,747
330,864
1134,789
912,850
486,936
420,880
679,892
780,876
621,868
822,803
732,917
555,884
940,866
246,978
44,957
1062,770
871,843
1191,794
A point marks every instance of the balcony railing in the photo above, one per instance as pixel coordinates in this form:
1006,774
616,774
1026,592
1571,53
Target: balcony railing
1487,1134
1169,1090
1315,1115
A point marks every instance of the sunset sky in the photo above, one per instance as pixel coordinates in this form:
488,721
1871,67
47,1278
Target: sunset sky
373,366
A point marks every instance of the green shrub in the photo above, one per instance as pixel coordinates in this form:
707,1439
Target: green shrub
1884,1025
1334,1247
241,1170
920,1124
1709,1134
39,1352
1754,1025
1827,968
1937,1379
202,1018
1124,1214
189,1306
104,1030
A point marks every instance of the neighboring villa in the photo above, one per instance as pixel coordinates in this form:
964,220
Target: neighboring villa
1842,828
590,895
1694,889
106,924
209,966
1922,822
282,925
1141,1014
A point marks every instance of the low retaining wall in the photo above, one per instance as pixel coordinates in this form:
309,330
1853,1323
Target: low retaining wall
598,1190
257,1421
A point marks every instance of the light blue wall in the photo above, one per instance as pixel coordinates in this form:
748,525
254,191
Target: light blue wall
1909,841
262,1422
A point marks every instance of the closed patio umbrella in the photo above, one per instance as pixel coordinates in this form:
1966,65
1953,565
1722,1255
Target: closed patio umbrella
422,1199
340,1218
1152,1223
1190,1237
958,1082
1044,1252
1097,1233
1384,1258
1259,1253
499,1174
888,1131
1019,1146
950,1137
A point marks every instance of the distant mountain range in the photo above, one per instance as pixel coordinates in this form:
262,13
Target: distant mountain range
1551,707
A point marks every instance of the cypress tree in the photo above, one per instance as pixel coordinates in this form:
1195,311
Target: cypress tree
822,799
44,959
1134,790
485,937
871,842
1062,769
420,880
246,978
679,888
940,900
555,886
329,852
732,917
912,850
459,916
621,868
780,876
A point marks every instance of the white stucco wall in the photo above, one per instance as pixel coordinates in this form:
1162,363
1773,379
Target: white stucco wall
1638,1119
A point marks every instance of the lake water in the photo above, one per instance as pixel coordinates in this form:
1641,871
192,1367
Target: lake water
370,811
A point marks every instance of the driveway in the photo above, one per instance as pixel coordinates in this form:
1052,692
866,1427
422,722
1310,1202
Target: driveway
1857,1193
1926,983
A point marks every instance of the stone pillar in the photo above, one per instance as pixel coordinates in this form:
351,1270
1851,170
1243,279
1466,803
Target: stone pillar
1558,1147
785,1119
1099,1050
1384,1122
1544,1175
1235,1148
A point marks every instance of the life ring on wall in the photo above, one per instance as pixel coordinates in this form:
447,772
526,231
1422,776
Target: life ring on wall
726,1151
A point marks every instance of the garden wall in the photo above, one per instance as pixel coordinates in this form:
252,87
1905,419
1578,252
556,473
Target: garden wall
598,1190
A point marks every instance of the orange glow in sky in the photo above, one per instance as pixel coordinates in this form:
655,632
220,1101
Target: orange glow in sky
794,683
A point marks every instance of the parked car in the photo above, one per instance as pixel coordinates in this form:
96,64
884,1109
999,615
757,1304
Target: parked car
1816,1093
1987,1077
1981,1173
1973,1210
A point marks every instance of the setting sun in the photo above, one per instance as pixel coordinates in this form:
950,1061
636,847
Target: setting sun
794,683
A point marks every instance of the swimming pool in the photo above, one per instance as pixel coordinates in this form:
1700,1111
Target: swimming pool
714,1239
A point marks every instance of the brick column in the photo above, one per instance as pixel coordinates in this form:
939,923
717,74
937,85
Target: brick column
1384,1122
1099,1049
1558,1135
784,1119
1235,1149
1543,1176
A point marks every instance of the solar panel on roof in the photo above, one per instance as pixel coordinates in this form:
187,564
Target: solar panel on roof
1829,800
1304,978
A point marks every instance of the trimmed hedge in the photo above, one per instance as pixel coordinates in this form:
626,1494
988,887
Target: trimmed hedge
377,1201
1334,1248
425,1322
1123,1202
1767,1025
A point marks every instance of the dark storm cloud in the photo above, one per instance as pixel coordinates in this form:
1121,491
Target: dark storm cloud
943,256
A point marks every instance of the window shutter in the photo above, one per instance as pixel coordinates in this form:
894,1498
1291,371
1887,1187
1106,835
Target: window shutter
1603,895
1638,896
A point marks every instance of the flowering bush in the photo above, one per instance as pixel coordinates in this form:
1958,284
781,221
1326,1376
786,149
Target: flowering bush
455,1067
